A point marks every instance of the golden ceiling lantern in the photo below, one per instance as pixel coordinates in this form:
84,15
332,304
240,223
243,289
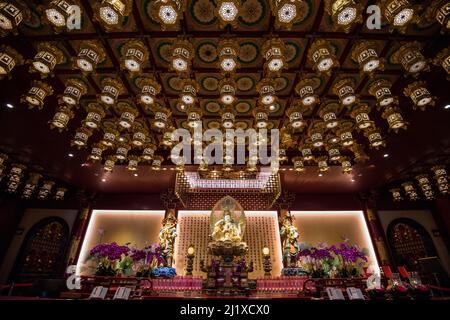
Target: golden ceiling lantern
442,14
359,153
168,13
266,89
394,118
305,89
110,163
306,150
344,89
328,112
227,91
81,137
346,165
47,57
294,114
286,12
60,193
381,90
322,164
111,89
45,190
443,60
228,12
140,134
344,132
410,191
321,55
182,55
373,134
425,186
58,13
30,185
396,194
194,116
189,90
365,54
399,14
148,151
96,152
316,131
334,154
410,57
274,52
37,94
61,117
74,90
344,14
261,116
3,158
90,54
228,115
420,95
228,50
134,56
110,134
149,89
9,58
161,118
128,113
133,163
12,13
167,138
157,162
123,147
440,175
95,114
111,14
361,116
298,164
15,176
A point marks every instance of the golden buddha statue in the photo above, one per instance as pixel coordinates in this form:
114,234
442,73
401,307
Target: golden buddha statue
227,229
167,236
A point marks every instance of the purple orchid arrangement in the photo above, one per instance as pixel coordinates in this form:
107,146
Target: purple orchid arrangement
111,251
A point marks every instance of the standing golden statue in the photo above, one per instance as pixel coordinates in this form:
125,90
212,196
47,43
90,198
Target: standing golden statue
291,246
167,236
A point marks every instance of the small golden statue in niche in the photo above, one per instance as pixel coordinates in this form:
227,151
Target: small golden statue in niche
167,236
227,229
227,221
290,244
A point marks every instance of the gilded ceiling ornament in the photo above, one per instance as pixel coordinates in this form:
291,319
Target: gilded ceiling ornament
321,55
410,191
365,54
394,118
360,114
31,185
228,116
149,89
425,186
298,165
9,58
167,138
161,118
328,112
346,165
148,151
75,89
45,190
294,114
359,153
182,55
443,60
322,164
410,57
128,113
12,14
399,14
157,162
396,194
306,150
228,12
420,95
315,133
95,114
57,13
110,163
122,150
345,90
168,13
306,90
47,57
60,193
344,132
381,90
111,14
344,14
274,52
90,54
96,152
228,50
133,162
189,91
134,56
61,118
261,116
227,91
111,89
3,158
374,136
440,175
110,134
140,134
266,90
334,154
37,94
81,137
15,176
194,116
286,12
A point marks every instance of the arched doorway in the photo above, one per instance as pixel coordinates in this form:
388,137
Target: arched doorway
43,251
409,241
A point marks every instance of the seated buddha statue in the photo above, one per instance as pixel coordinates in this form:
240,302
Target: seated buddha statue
227,229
